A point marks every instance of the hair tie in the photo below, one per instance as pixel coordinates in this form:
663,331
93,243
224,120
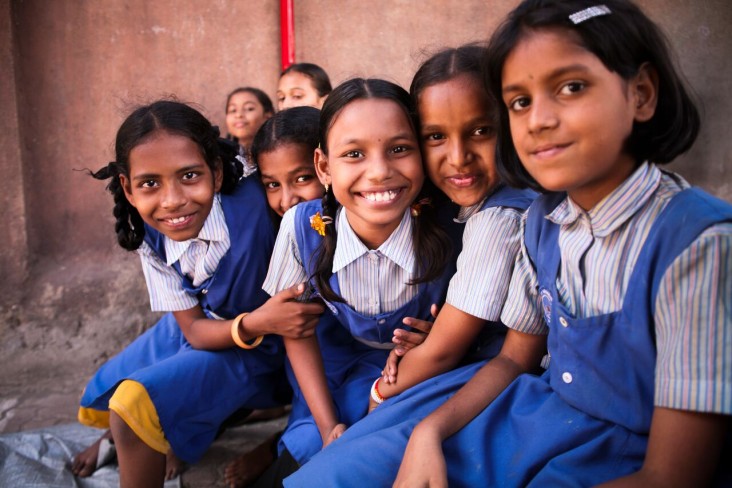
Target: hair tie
318,223
589,13
215,131
417,206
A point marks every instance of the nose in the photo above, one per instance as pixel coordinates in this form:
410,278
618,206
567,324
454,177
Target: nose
289,199
458,154
379,168
286,103
172,196
542,115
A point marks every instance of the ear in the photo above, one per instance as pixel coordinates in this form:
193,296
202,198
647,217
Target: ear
321,101
645,91
218,176
321,166
127,188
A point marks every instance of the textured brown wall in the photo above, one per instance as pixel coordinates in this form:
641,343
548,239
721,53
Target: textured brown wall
72,69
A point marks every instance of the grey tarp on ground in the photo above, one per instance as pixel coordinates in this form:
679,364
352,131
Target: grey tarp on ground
40,458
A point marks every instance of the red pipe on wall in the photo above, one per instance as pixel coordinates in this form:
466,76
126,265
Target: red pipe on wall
287,33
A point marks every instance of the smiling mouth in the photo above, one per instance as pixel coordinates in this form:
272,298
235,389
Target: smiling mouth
381,196
549,150
178,220
462,181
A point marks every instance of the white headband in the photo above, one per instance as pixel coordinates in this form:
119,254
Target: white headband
589,13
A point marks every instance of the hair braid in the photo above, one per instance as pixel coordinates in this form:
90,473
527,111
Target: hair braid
324,256
129,226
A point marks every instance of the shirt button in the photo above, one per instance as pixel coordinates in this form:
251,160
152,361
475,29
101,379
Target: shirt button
382,321
567,377
563,321
204,291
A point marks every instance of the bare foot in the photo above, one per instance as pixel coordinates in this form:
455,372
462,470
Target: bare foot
246,468
85,463
173,465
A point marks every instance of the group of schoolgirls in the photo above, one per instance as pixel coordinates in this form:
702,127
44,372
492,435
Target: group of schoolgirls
488,281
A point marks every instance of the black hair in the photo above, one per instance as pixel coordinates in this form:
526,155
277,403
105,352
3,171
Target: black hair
174,118
624,40
448,64
431,244
317,75
297,125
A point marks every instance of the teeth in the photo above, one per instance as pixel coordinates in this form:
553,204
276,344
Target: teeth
382,196
177,220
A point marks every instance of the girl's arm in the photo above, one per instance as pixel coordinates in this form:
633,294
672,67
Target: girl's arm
307,363
683,450
444,347
423,463
281,315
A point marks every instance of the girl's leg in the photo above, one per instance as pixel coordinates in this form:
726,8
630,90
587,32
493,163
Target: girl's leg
140,466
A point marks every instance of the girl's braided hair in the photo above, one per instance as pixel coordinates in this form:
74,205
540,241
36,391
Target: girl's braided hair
174,118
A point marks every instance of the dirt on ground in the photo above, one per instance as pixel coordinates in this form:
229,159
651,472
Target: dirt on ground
72,318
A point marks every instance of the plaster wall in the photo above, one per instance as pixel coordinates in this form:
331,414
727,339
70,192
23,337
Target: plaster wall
72,70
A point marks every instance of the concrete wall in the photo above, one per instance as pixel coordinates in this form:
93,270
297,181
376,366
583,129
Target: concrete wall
72,69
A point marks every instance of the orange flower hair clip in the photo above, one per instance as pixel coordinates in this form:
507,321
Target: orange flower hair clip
417,206
318,223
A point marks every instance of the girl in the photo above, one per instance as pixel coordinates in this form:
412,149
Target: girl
203,237
246,110
620,267
371,258
302,84
457,129
283,152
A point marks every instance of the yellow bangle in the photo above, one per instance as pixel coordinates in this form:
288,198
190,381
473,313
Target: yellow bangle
237,338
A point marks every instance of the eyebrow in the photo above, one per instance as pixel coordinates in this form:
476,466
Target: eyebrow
293,171
147,176
572,68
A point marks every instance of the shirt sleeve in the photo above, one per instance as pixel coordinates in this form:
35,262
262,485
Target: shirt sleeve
163,283
522,309
693,320
491,242
285,267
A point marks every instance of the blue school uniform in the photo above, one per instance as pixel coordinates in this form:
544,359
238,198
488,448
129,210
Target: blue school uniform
194,391
384,433
354,346
584,421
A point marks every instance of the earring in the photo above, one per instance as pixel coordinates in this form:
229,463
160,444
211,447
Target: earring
327,186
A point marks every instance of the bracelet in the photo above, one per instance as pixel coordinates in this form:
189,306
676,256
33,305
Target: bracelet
237,338
375,395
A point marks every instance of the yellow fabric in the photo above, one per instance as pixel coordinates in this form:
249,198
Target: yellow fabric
132,403
94,418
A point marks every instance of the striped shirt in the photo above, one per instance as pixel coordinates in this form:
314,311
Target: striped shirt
490,243
370,281
692,315
198,257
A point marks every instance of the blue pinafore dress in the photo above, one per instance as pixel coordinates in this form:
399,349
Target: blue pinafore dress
349,343
194,391
586,419
396,422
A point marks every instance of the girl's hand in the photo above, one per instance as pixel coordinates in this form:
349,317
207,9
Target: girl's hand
405,341
423,463
337,431
284,315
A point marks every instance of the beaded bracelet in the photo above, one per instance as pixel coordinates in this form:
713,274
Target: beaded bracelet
375,395
237,338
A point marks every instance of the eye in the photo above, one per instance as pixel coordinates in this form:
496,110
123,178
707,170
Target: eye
297,97
304,178
148,184
353,154
191,175
484,131
572,87
400,149
271,185
519,104
434,136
